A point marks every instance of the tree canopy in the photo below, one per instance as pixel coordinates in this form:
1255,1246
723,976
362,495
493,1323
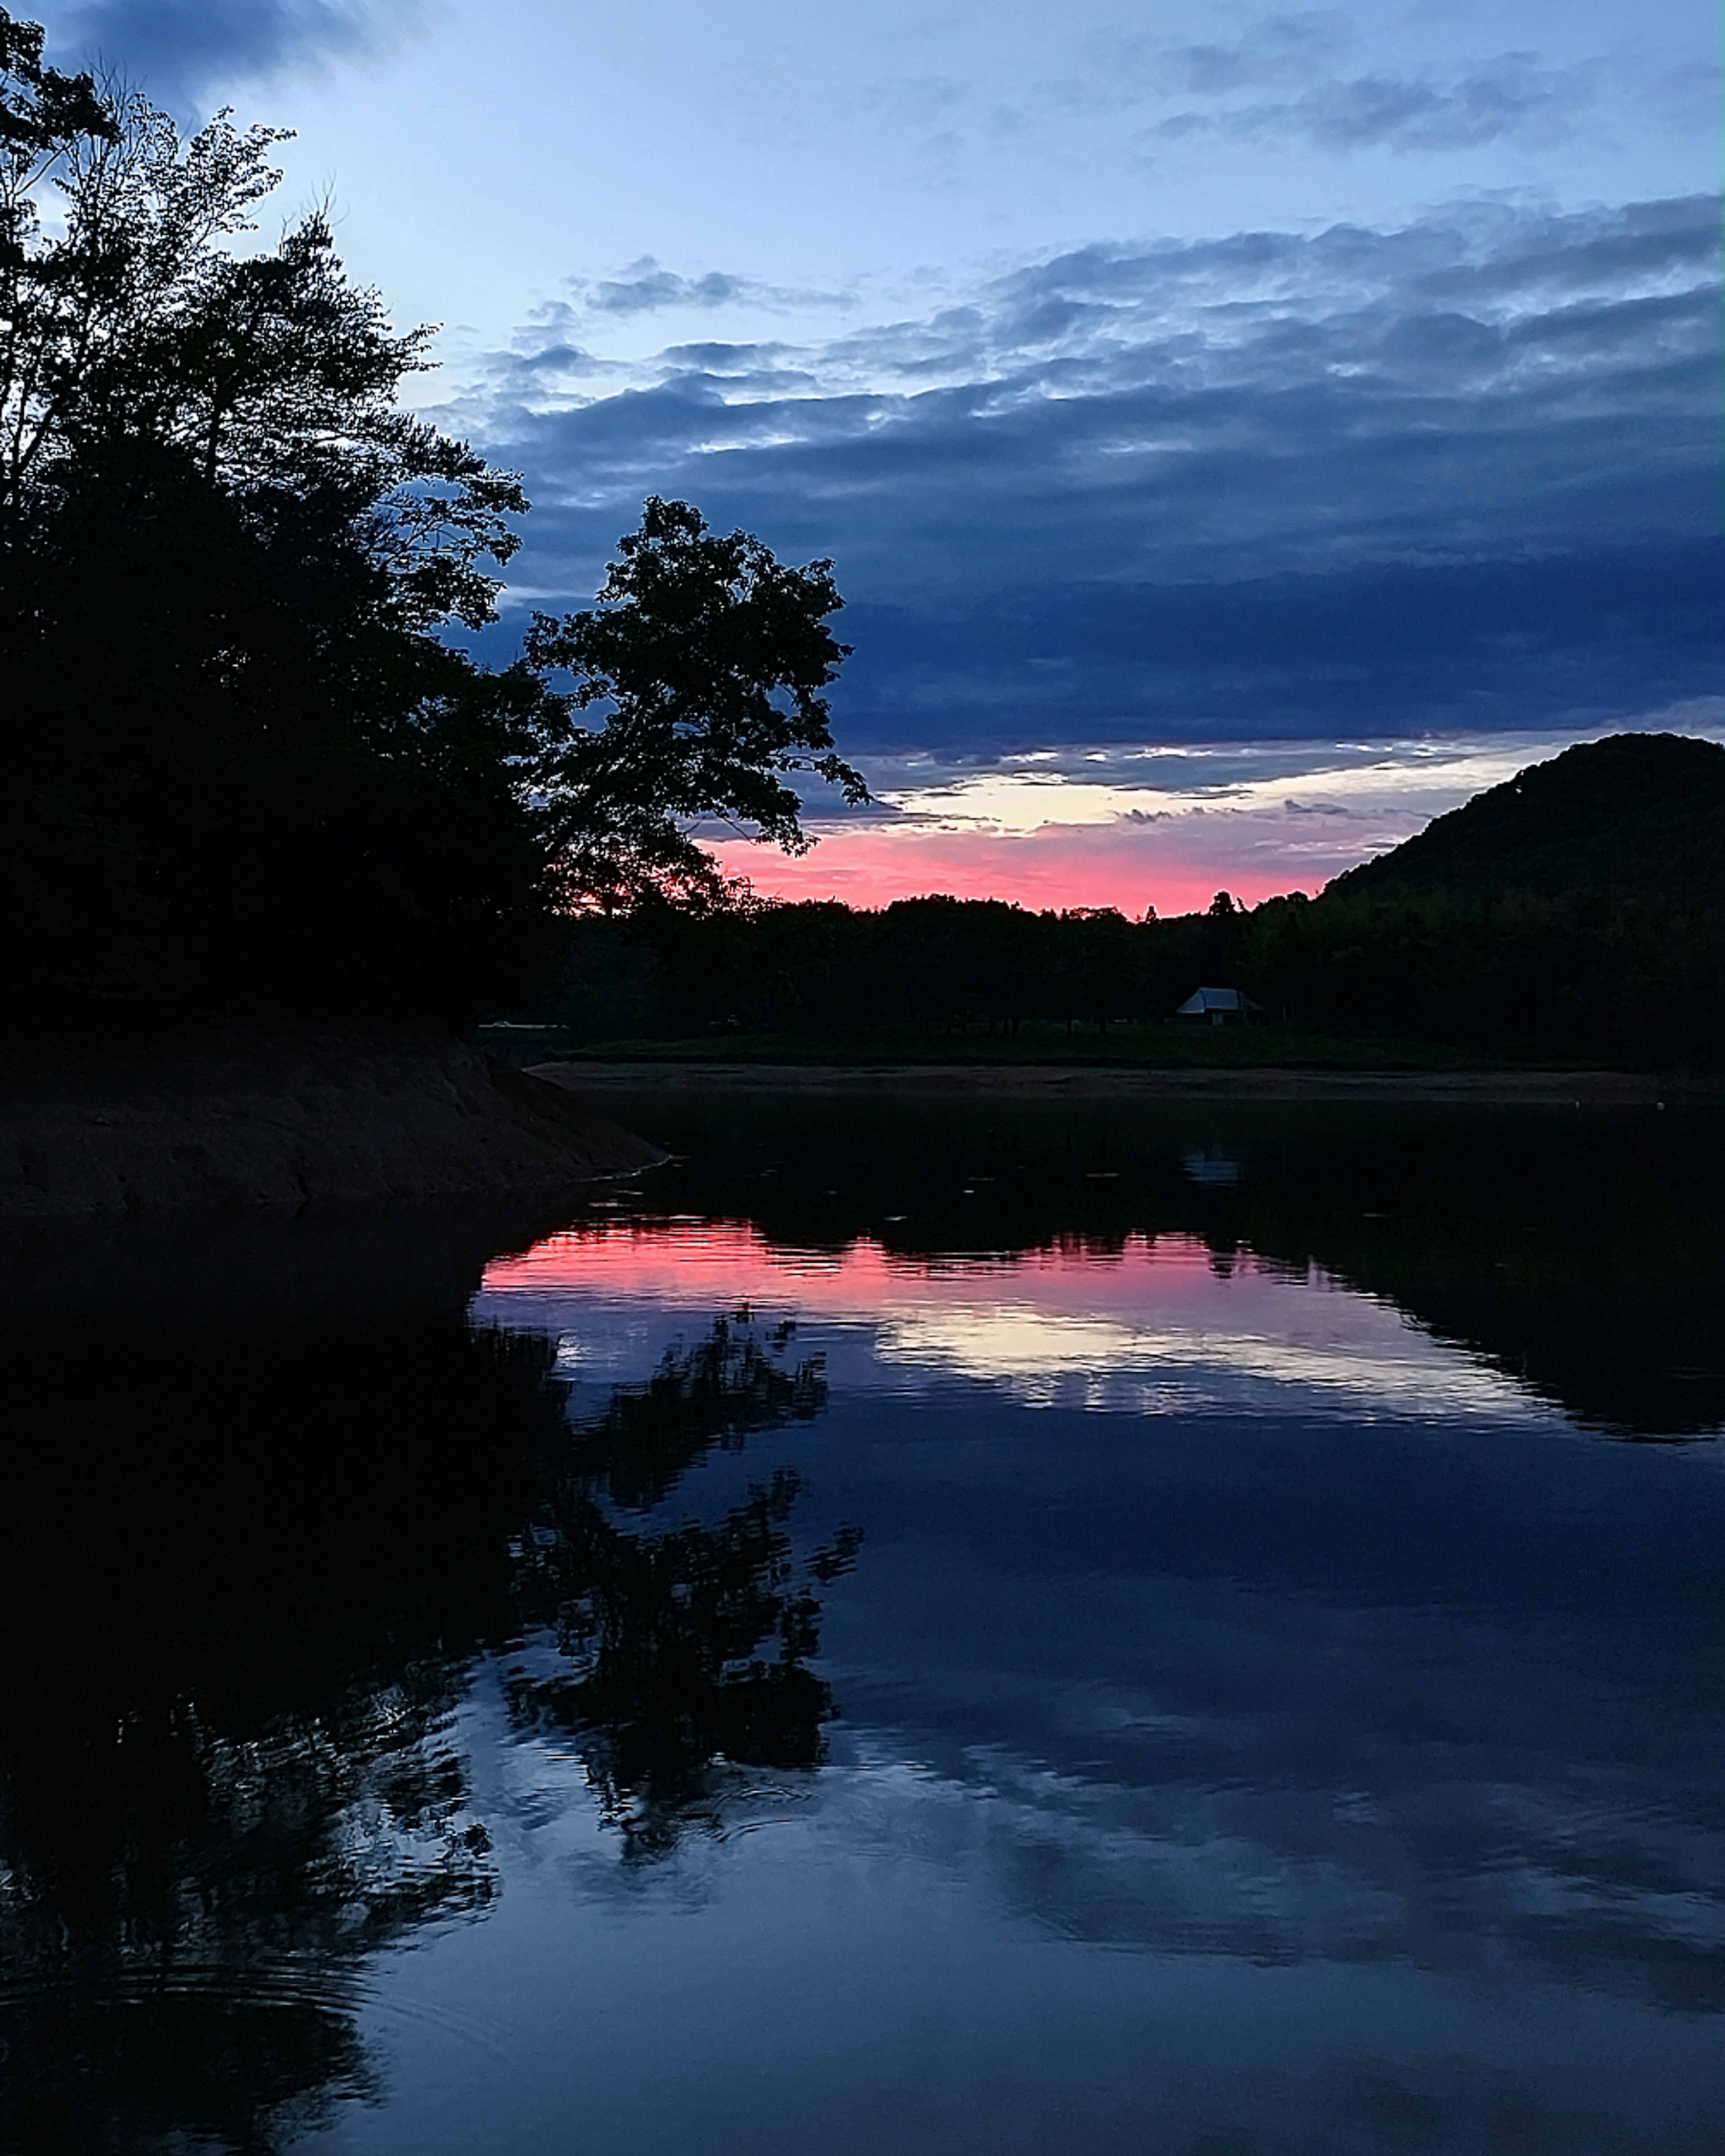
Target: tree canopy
247,770
694,635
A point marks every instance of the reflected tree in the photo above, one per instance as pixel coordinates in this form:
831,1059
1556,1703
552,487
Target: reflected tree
1579,1255
253,1573
684,1645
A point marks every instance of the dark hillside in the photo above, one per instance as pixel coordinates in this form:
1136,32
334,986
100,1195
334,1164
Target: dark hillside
1634,813
1577,911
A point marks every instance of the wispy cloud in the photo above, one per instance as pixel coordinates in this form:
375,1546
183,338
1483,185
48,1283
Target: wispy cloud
1274,48
1510,96
1132,826
647,287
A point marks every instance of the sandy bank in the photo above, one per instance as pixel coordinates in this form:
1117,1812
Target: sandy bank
1589,1088
231,1118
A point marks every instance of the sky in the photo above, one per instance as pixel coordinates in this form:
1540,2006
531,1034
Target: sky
1239,433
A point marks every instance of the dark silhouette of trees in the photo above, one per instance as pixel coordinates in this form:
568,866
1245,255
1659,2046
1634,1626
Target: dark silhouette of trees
1577,908
694,635
947,966
242,765
246,771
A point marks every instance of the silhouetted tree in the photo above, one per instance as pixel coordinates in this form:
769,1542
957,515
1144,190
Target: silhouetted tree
246,771
241,763
712,656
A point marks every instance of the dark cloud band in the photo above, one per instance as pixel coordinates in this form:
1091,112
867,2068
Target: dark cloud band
1461,474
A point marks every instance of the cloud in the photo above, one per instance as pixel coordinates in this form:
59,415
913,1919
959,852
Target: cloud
645,287
1459,474
648,288
1138,825
1273,49
1686,97
1510,96
179,50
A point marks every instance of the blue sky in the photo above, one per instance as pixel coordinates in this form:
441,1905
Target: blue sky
1324,390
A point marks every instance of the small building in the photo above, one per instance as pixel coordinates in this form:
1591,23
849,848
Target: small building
1219,1006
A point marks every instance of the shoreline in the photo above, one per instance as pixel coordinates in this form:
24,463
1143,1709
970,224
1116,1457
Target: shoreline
229,1117
1606,1089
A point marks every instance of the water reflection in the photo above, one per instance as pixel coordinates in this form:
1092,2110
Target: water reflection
1155,1324
1577,1252
687,1645
1269,1711
246,1569
243,1577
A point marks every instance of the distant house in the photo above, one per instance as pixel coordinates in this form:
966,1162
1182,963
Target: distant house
1220,1006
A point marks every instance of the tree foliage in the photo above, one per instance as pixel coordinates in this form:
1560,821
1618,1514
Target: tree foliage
1636,976
712,656
247,772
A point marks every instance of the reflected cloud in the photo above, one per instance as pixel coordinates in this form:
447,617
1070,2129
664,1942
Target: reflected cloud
1046,1358
1155,1327
1577,1263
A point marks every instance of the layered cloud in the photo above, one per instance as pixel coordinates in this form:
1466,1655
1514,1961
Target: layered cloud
647,287
1459,474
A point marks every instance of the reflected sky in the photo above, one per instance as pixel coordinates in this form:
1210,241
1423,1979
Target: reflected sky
1160,1325
1265,1722
1082,1628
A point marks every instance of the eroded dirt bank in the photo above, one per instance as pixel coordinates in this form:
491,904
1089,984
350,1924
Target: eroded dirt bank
237,1118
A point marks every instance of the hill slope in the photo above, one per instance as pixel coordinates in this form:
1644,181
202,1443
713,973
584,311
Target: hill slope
1635,814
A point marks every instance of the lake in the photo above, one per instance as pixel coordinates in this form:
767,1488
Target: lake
960,1625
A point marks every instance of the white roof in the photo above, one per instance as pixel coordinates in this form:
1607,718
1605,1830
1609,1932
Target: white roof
1213,999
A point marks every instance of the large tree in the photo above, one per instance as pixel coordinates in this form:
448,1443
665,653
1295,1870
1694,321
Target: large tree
712,656
246,768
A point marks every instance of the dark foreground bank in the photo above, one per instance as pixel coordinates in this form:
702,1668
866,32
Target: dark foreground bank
222,1118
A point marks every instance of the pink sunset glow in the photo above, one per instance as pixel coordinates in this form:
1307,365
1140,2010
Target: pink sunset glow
1062,864
1135,828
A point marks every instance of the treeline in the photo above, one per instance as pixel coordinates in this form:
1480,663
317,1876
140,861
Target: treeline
1635,979
942,965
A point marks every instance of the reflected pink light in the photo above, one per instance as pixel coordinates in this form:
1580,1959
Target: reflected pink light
726,1263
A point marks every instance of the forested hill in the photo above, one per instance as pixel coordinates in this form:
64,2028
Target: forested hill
1635,815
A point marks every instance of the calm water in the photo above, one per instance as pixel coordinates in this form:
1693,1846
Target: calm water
971,1627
